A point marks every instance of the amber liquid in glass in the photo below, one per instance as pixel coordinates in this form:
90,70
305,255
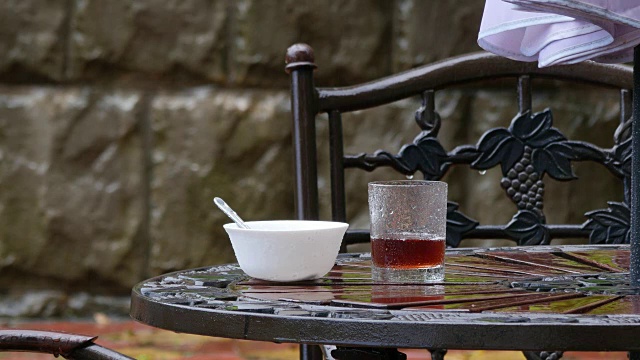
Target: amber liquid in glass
407,253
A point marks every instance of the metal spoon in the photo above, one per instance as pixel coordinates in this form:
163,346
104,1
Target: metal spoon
230,213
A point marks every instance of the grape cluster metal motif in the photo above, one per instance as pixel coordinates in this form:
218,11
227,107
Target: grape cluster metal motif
523,184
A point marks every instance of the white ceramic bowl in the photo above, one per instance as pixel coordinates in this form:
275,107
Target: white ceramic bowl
287,250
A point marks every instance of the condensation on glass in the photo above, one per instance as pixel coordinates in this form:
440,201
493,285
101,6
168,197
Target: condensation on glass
408,230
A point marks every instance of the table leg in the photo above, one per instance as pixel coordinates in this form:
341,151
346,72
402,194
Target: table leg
438,354
362,353
634,267
310,352
544,355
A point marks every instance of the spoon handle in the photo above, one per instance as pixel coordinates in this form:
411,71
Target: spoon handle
230,213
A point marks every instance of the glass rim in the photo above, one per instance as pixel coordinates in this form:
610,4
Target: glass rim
406,183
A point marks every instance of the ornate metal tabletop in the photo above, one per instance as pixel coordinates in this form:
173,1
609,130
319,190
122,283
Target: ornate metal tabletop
531,298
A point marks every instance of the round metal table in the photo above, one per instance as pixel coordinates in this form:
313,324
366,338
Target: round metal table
518,298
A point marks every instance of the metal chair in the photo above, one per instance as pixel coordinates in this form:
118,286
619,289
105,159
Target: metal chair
69,346
528,152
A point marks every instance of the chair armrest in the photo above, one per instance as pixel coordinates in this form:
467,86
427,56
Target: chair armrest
70,346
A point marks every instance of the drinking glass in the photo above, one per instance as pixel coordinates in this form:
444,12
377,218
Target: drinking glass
408,230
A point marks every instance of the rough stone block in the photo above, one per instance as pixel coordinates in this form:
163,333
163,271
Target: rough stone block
206,143
71,205
33,304
427,31
179,38
32,39
351,39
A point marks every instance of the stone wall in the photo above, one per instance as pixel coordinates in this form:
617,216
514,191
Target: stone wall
120,120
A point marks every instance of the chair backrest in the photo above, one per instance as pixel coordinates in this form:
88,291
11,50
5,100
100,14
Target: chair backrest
529,151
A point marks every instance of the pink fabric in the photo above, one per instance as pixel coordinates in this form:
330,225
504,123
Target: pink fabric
561,31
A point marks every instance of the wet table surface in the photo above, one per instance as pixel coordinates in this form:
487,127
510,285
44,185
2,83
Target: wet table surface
527,298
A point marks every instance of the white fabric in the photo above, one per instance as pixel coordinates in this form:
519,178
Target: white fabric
561,31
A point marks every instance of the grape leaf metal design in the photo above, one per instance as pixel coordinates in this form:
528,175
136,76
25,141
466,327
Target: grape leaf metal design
527,228
551,152
425,154
609,226
457,224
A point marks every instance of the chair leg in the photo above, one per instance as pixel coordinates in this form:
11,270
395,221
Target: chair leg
544,355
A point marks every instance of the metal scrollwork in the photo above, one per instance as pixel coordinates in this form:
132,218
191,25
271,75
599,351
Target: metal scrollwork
457,224
549,150
545,355
426,116
426,155
527,228
609,226
620,159
524,184
526,151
